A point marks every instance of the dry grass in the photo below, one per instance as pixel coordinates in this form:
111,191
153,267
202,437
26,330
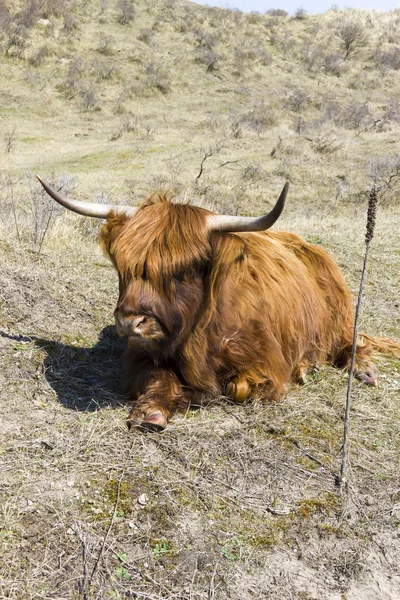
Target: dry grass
229,502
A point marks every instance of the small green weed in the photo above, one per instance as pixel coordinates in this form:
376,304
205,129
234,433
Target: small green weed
161,549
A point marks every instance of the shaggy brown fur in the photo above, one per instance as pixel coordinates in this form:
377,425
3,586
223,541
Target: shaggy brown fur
234,314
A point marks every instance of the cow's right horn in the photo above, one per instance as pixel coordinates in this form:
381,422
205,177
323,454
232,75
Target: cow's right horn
236,224
88,209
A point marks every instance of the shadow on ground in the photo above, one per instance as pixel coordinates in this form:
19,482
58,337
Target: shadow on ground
84,378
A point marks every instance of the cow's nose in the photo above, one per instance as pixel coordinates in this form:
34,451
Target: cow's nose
131,324
138,324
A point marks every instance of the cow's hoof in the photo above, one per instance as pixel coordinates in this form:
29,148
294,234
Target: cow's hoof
153,422
369,377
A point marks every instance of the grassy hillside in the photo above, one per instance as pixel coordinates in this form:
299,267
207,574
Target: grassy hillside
143,91
111,100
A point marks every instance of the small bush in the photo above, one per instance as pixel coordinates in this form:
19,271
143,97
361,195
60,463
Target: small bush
388,60
157,77
6,19
10,139
259,118
333,63
385,173
126,12
352,36
298,100
16,41
300,14
265,58
44,212
146,35
354,115
102,69
69,86
325,144
38,56
207,57
276,12
128,123
312,57
89,97
105,45
71,24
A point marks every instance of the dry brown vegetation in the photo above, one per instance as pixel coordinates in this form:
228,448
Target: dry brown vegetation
112,100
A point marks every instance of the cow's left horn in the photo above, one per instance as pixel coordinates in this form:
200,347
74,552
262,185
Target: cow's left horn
236,224
88,209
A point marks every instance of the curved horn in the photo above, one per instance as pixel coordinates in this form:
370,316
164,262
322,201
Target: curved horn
88,209
236,224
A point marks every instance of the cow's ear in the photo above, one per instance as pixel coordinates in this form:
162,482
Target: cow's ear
110,231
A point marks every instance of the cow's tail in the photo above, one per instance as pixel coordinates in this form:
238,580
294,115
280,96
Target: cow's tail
384,345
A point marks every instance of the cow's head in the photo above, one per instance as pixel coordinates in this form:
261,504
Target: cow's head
163,253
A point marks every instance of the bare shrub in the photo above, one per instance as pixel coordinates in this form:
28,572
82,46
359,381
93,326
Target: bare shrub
137,56
298,100
387,60
29,13
325,144
352,36
69,86
260,117
8,208
246,55
354,115
237,127
253,173
9,139
89,97
44,210
333,63
71,24
213,121
27,213
286,44
35,80
312,57
38,56
205,38
56,8
157,77
385,173
300,14
175,164
119,107
276,12
128,123
105,45
265,58
126,12
102,69
16,41
253,18
391,114
208,57
146,35
90,227
6,19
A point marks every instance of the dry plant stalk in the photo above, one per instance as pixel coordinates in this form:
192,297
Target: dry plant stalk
368,237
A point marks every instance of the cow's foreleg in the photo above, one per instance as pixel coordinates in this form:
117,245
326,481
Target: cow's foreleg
157,400
363,366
